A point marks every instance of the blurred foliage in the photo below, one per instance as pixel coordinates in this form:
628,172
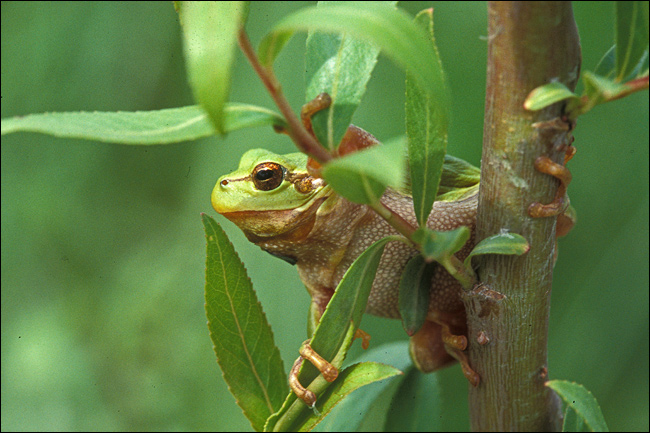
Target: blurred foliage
103,254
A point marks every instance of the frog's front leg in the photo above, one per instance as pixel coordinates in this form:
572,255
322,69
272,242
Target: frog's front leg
329,371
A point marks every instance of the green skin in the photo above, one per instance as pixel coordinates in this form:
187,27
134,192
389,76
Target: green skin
291,215
241,194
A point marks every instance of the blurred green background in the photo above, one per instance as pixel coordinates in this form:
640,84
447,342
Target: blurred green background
103,326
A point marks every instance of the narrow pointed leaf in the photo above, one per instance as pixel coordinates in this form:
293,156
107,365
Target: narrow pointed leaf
348,303
339,65
417,405
631,36
334,333
414,293
548,94
172,125
426,129
242,338
392,30
583,402
362,177
459,179
606,66
350,379
210,36
505,243
358,406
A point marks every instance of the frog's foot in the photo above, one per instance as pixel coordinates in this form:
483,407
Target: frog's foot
320,102
561,202
364,336
434,346
329,372
455,346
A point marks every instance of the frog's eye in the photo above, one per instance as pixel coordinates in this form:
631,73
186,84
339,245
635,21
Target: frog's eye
268,176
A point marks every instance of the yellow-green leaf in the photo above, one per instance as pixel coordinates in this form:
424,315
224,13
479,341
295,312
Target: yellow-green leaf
210,35
172,125
392,30
362,177
504,243
334,333
548,94
583,402
339,65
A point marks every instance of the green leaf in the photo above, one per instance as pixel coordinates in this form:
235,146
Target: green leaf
631,36
171,125
426,129
242,338
350,379
607,64
459,179
210,34
340,66
362,177
417,404
504,243
600,89
348,303
392,30
548,94
439,246
414,293
357,407
334,332
578,398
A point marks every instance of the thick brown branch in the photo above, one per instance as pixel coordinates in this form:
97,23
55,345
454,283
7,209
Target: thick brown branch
529,44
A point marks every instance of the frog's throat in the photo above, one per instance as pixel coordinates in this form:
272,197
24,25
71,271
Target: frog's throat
288,224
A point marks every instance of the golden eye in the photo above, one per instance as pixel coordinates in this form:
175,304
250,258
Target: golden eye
268,176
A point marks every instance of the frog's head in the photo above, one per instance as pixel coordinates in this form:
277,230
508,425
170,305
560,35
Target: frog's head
270,195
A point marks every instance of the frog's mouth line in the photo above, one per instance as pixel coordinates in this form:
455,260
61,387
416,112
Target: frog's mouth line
289,224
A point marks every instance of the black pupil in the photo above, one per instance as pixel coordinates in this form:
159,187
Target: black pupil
264,174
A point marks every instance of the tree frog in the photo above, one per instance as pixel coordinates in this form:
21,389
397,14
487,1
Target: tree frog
294,215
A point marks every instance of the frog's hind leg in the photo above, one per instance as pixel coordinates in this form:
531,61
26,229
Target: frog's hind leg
455,346
435,346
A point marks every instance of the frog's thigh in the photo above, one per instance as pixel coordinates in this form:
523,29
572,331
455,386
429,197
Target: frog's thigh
427,348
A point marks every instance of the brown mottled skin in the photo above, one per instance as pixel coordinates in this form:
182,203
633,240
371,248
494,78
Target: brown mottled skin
339,236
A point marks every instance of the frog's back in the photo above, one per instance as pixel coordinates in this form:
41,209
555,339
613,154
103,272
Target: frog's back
383,300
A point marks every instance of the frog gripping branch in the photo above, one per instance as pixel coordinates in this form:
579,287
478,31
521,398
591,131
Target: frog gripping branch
320,211
322,233
392,227
282,204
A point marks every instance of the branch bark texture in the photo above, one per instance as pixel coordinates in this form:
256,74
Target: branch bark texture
529,44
